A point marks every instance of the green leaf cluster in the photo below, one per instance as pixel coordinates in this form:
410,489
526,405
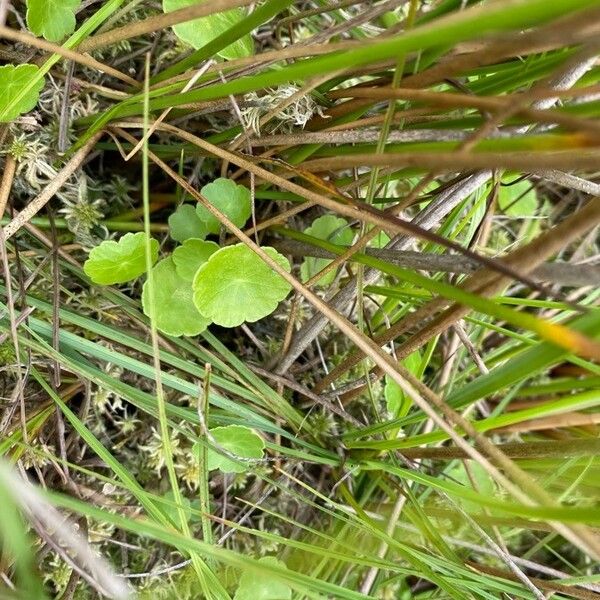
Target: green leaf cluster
198,222
21,84
199,283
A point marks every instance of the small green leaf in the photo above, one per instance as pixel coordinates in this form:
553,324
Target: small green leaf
262,585
398,403
334,230
191,255
185,224
174,308
52,19
518,200
118,262
235,285
239,441
231,199
200,32
14,100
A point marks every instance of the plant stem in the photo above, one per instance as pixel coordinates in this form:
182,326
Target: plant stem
214,588
111,225
203,491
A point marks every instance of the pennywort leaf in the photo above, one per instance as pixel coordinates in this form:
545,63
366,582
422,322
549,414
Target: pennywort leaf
199,32
191,255
235,285
518,199
173,305
14,100
238,441
231,199
334,230
118,262
185,224
52,19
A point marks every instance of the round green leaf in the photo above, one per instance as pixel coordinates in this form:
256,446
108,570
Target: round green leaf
518,200
53,19
200,32
191,255
261,585
185,224
332,229
238,441
173,305
235,285
16,98
231,199
117,262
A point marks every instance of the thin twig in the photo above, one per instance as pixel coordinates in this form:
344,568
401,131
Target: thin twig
87,61
317,399
10,165
20,384
365,136
569,181
63,123
579,157
165,113
203,407
558,273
